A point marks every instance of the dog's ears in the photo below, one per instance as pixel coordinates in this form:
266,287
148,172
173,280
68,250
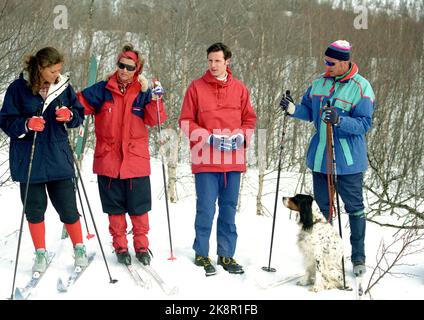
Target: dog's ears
306,213
309,199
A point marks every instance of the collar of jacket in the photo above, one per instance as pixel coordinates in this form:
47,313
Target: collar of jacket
112,84
56,89
347,76
209,78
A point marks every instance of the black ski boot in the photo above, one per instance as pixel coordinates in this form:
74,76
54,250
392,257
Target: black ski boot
123,257
144,256
205,262
230,265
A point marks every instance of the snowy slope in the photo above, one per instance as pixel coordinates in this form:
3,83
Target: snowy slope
252,251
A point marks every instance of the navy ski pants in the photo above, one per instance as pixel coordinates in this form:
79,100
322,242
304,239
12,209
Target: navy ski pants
350,190
224,187
61,194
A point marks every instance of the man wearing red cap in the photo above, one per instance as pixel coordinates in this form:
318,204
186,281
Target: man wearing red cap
122,111
351,101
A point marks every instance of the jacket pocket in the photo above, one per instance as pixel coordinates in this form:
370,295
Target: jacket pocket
346,151
67,151
102,149
137,128
208,107
139,148
19,160
103,121
343,105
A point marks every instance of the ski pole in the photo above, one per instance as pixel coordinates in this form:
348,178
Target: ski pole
31,157
269,269
89,235
330,132
92,217
64,232
164,174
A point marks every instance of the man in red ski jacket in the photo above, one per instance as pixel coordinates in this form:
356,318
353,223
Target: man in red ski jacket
121,158
219,120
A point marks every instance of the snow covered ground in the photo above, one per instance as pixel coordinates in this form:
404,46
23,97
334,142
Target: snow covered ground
252,252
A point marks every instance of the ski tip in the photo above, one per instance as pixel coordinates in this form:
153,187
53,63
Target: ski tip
172,258
89,236
18,295
60,286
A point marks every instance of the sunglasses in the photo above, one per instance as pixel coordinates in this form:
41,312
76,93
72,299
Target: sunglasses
123,66
329,63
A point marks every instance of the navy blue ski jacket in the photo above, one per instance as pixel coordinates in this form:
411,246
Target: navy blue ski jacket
53,158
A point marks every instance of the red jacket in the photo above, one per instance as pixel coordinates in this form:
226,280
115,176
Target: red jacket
224,108
122,138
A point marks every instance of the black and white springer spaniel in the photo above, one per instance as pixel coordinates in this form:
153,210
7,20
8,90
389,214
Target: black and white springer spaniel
319,243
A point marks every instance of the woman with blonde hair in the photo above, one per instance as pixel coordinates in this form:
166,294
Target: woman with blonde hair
123,110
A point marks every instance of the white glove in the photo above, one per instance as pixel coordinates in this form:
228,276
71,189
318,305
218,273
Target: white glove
287,103
220,142
237,141
143,81
157,90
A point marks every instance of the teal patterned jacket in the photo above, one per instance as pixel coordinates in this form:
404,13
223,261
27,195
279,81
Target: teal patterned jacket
354,99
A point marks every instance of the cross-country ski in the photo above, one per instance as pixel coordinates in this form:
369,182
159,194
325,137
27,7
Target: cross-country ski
23,293
64,285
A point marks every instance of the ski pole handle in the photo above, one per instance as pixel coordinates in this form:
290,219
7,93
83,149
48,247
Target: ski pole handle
157,88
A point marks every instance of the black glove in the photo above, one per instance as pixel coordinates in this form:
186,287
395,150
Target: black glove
331,116
287,103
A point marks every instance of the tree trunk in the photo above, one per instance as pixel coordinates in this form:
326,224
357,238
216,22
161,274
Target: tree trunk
172,182
172,168
259,207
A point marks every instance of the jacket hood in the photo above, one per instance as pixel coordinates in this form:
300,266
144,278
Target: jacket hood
112,82
55,89
209,78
